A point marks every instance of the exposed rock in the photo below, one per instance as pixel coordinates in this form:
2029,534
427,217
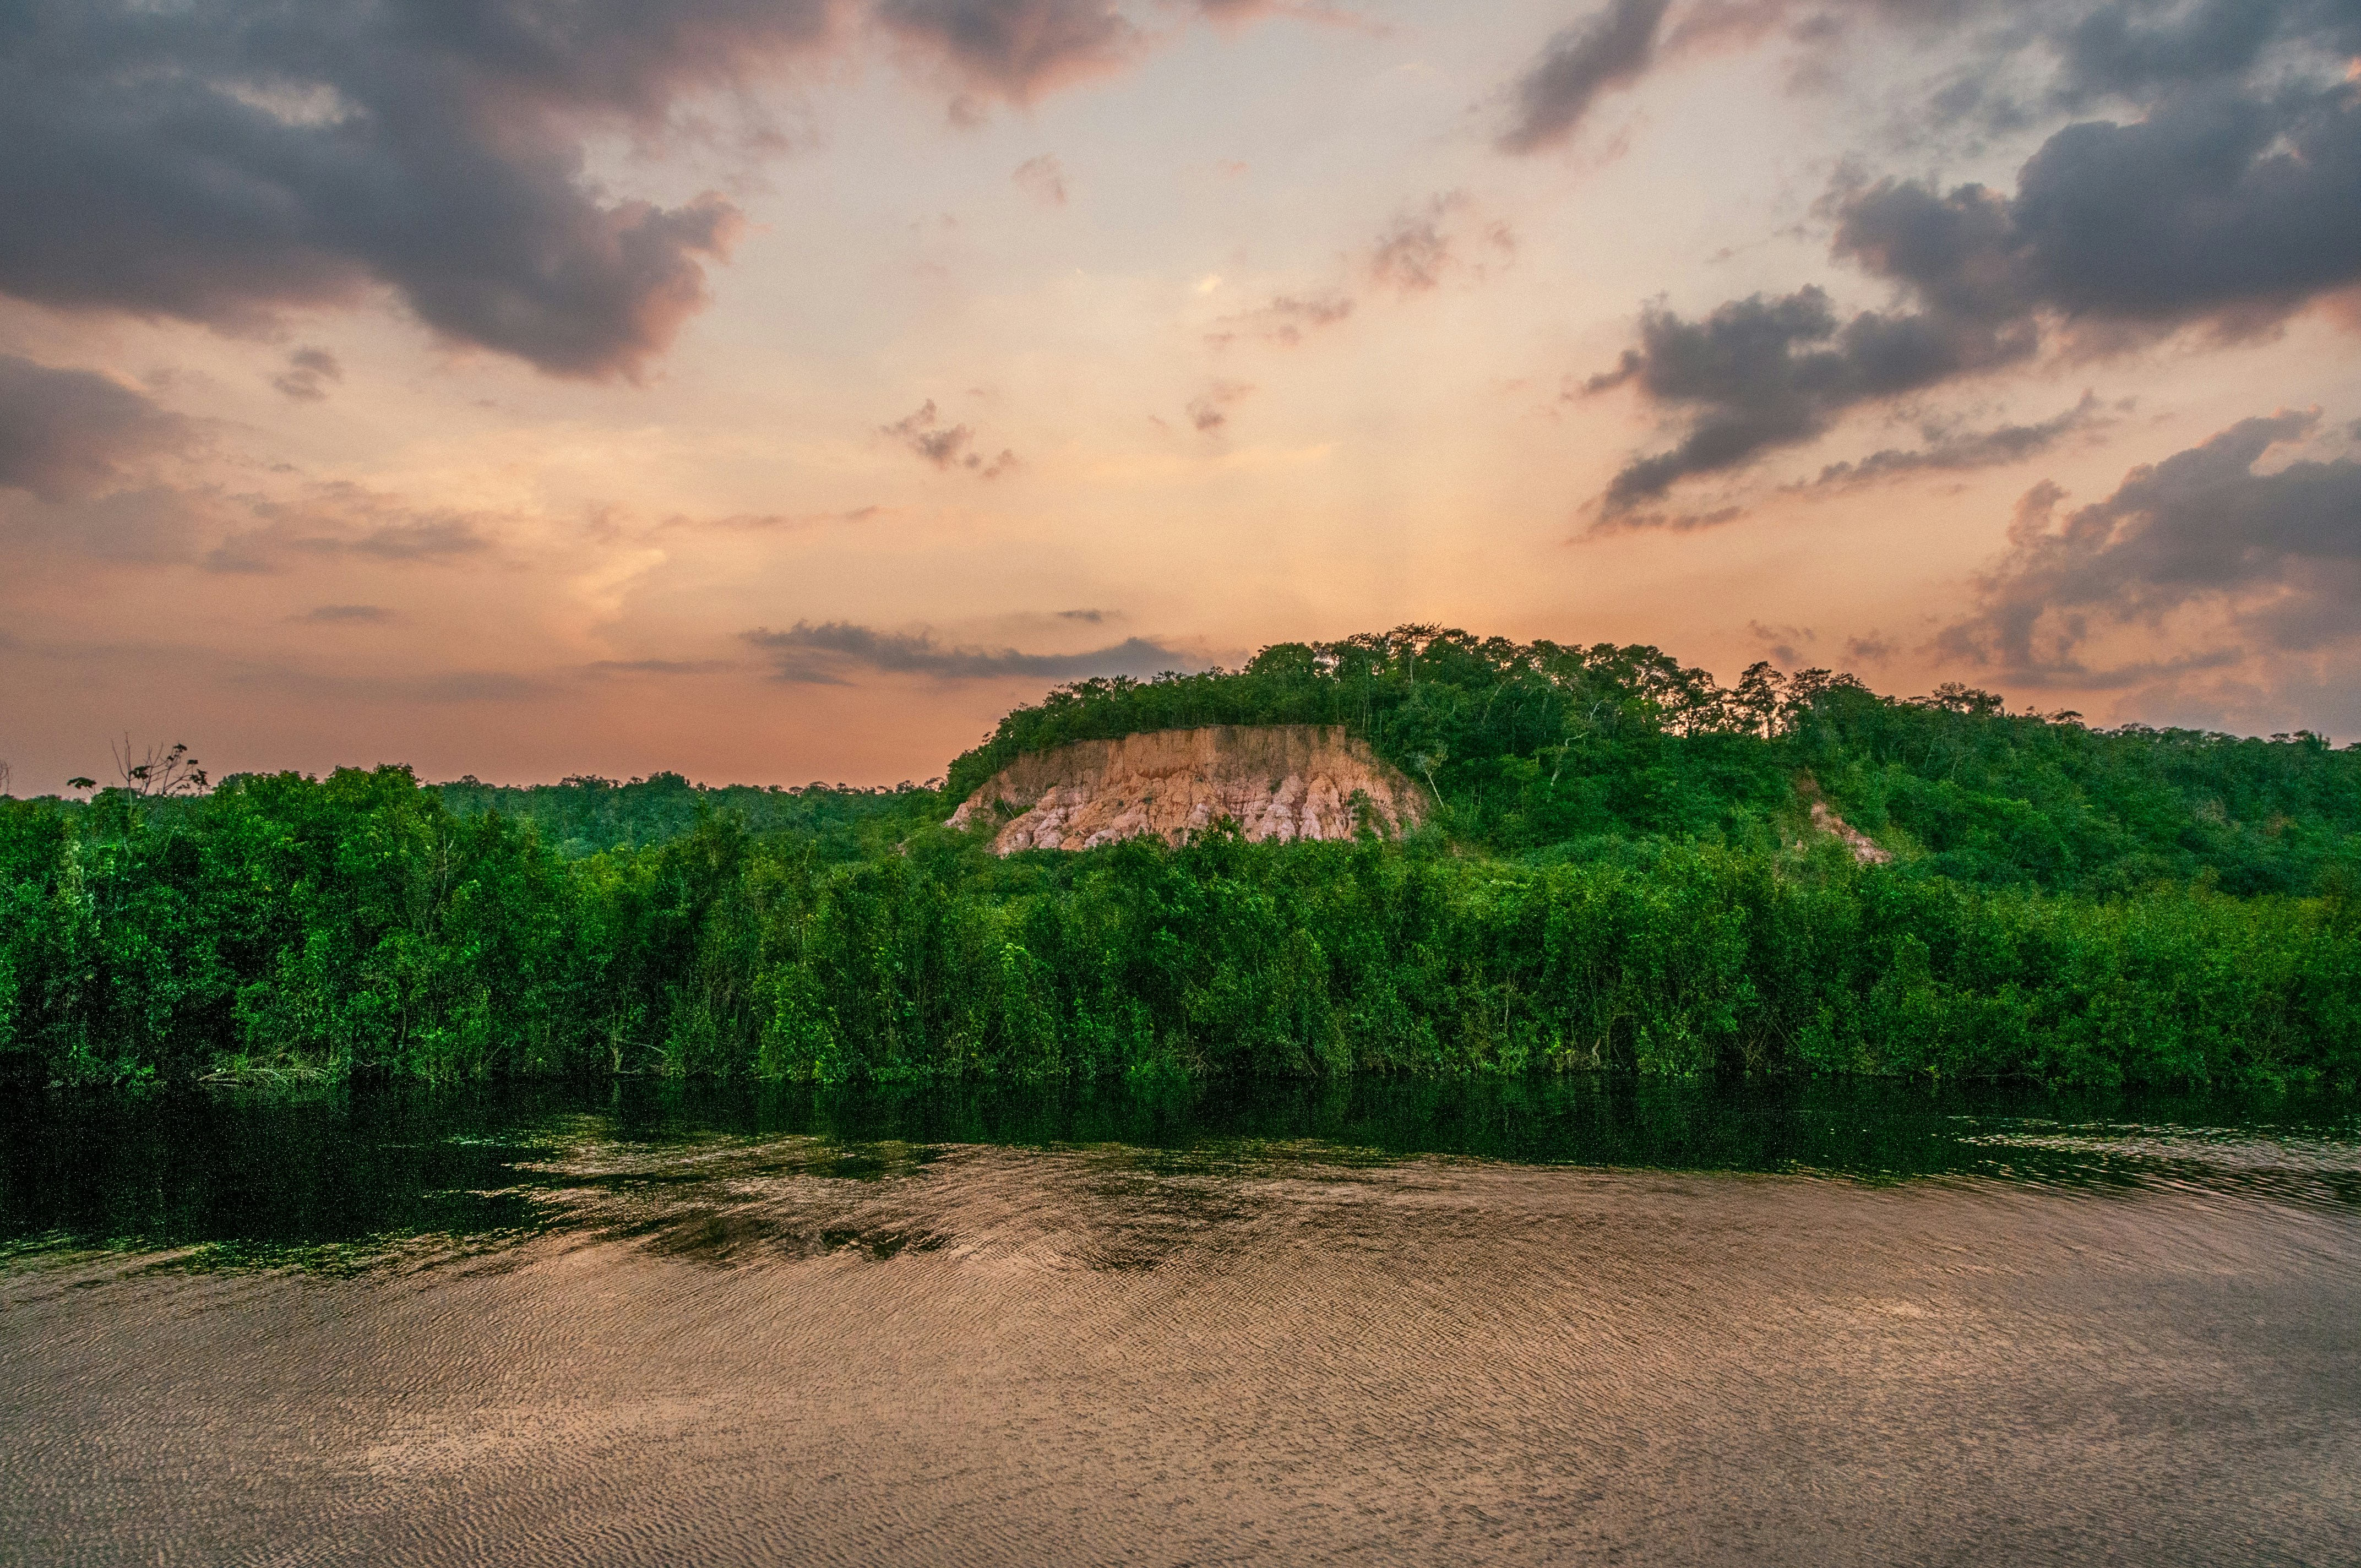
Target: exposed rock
1277,782
1864,851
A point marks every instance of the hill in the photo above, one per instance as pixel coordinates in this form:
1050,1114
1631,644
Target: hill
1542,751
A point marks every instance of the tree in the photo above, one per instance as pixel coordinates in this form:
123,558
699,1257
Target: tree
159,773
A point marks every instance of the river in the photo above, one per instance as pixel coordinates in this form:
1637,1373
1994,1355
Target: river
1570,1321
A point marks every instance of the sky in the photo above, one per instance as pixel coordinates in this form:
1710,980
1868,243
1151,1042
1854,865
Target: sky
779,391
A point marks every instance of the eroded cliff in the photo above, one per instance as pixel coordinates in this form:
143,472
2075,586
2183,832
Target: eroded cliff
1280,782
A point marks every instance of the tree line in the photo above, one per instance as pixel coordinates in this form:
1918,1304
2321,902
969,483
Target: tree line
1622,874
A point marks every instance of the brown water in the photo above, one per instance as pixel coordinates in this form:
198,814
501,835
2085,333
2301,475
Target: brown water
1856,1328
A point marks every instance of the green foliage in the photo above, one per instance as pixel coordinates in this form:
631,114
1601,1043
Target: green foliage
1994,797
584,814
1537,748
1623,875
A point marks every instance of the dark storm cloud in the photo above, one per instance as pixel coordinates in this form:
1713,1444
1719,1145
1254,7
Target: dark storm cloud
1609,49
2232,201
2002,55
2217,205
64,434
2219,210
1016,49
2277,551
825,654
222,161
2135,47
1765,372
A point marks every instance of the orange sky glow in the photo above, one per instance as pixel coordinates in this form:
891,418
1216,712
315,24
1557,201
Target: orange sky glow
778,391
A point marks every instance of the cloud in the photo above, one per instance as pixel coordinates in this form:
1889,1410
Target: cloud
1229,11
64,434
1209,412
1422,247
149,524
343,520
1094,617
2275,557
2229,204
1043,179
755,522
1875,648
1413,254
946,446
1016,49
482,685
1762,372
1954,452
661,666
1284,321
225,161
924,434
2135,49
308,373
1782,642
1436,239
1608,50
346,615
2016,58
826,654
2220,206
250,533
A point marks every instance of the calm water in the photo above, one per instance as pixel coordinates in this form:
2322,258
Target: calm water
1571,1322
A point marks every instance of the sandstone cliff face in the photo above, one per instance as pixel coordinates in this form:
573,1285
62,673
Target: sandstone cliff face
1282,782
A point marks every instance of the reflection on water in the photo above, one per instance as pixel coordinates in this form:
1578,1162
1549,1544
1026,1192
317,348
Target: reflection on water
334,1179
1567,1319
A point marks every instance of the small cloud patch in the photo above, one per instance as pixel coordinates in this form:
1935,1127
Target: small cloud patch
345,615
828,652
309,374
946,445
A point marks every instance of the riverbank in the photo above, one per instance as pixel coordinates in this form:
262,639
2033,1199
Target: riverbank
356,927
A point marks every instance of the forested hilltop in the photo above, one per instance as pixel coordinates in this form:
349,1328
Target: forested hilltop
1622,872
1543,751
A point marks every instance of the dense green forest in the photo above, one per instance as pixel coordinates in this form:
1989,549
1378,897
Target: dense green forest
1622,873
582,815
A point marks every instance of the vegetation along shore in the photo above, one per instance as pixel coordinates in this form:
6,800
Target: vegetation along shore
1619,864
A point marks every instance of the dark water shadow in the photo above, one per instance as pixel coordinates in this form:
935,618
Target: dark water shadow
359,1175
